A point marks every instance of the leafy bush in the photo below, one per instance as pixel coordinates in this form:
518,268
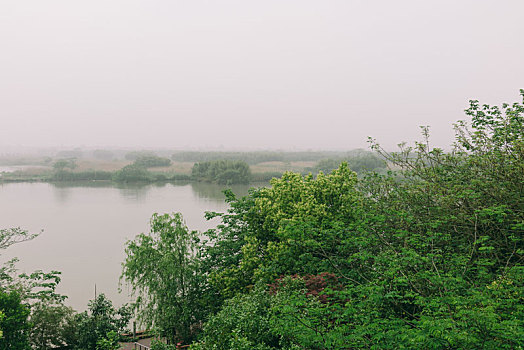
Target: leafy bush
222,171
132,173
101,325
14,324
52,326
180,177
243,323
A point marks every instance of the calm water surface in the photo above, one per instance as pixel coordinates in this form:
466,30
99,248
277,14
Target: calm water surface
86,226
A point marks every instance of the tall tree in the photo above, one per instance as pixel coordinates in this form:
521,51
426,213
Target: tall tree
101,321
14,324
163,269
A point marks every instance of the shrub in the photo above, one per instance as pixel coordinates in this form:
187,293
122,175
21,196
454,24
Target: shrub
132,173
222,171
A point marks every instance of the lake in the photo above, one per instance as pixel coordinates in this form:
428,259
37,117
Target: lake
86,225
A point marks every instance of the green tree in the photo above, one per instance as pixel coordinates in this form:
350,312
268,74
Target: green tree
15,324
440,233
28,294
306,313
2,315
52,326
244,322
110,342
132,173
50,320
62,164
99,323
222,171
295,226
15,235
162,268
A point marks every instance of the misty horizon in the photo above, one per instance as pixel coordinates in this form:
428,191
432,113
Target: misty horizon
241,75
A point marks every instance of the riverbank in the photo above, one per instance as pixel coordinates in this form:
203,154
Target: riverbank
147,167
126,171
146,176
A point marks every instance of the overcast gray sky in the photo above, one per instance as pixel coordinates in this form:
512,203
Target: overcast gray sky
251,74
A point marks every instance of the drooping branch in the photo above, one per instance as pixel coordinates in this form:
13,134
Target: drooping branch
11,236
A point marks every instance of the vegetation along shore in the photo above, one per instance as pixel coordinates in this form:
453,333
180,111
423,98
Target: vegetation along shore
146,166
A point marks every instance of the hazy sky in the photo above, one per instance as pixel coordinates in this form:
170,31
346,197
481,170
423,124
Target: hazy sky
260,74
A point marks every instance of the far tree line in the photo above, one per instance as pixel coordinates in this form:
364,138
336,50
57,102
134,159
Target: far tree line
221,171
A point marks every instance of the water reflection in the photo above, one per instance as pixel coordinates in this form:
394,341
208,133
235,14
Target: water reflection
216,192
62,194
73,184
139,191
135,192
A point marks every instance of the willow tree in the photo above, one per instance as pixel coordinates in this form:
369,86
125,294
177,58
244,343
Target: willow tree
161,267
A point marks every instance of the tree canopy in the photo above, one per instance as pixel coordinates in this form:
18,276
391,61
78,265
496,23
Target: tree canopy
222,171
426,256
163,269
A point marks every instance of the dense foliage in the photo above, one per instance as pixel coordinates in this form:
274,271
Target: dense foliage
24,299
52,325
14,323
33,315
222,171
137,171
163,268
428,256
132,173
100,325
56,326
